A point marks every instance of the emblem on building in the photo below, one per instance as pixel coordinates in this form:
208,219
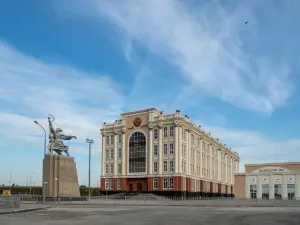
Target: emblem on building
137,121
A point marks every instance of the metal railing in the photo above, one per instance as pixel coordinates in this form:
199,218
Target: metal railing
9,203
161,200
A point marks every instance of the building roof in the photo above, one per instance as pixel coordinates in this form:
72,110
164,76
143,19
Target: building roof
139,111
273,164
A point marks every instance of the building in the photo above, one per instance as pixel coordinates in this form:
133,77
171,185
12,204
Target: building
150,151
269,181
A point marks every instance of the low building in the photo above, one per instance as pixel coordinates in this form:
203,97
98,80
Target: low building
150,151
269,181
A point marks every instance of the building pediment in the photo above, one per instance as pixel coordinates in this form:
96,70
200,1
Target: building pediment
269,169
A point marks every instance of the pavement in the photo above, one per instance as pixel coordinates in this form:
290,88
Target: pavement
24,208
199,203
139,215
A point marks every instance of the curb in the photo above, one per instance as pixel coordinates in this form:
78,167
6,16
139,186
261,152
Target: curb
25,210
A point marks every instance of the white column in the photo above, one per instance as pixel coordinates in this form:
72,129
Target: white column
188,152
284,187
271,187
297,186
201,152
259,187
219,165
177,161
103,156
115,154
210,162
160,151
150,153
226,168
180,150
124,172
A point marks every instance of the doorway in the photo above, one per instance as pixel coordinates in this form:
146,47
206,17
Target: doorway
130,187
139,187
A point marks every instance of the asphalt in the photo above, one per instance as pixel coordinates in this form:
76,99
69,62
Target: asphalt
136,215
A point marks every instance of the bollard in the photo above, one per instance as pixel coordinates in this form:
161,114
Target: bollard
144,199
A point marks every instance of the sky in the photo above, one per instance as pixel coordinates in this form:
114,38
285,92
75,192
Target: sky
86,62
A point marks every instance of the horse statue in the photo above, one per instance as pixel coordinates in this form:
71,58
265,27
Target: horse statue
55,139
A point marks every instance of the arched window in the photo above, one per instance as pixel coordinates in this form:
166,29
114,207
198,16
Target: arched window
137,153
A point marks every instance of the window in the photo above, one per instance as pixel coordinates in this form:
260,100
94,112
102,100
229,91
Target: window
171,166
198,143
155,166
111,154
119,168
171,131
106,169
277,191
291,191
265,191
165,149
171,148
165,183
184,184
107,139
155,149
192,139
155,134
119,153
253,191
165,131
165,165
120,138
171,183
119,184
137,153
106,154
155,183
109,185
112,139
111,168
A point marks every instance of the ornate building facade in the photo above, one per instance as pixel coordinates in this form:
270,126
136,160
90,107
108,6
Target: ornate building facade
149,151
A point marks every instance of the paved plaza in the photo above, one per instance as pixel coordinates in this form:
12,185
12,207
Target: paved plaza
136,215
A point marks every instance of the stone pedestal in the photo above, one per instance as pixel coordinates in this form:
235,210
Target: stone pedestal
60,176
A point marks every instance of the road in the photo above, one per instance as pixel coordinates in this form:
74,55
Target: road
136,215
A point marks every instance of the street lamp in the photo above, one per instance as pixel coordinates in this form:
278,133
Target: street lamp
44,194
90,142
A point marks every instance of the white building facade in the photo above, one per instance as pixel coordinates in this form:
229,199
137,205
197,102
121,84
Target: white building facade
269,181
148,150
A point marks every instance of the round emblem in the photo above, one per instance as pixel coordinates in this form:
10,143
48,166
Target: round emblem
137,121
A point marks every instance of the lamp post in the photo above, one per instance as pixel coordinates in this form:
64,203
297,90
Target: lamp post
90,142
44,194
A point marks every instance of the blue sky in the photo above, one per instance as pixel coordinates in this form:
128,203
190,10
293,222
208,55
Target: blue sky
86,62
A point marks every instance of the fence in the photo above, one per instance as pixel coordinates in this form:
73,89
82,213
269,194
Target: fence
9,202
160,200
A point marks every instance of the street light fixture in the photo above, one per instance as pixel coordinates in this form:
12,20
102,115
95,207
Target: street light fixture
90,142
44,190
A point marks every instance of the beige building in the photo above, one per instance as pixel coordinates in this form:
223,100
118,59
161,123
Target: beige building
269,181
150,151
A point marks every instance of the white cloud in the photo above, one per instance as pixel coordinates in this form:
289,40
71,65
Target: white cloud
30,90
80,101
205,43
254,147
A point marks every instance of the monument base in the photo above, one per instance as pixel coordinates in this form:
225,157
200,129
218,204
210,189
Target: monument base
60,176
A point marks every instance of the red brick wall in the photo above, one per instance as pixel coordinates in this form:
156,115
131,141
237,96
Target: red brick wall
178,183
150,183
102,187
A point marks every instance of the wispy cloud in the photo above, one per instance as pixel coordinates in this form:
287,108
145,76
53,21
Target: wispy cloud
254,147
32,89
206,43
